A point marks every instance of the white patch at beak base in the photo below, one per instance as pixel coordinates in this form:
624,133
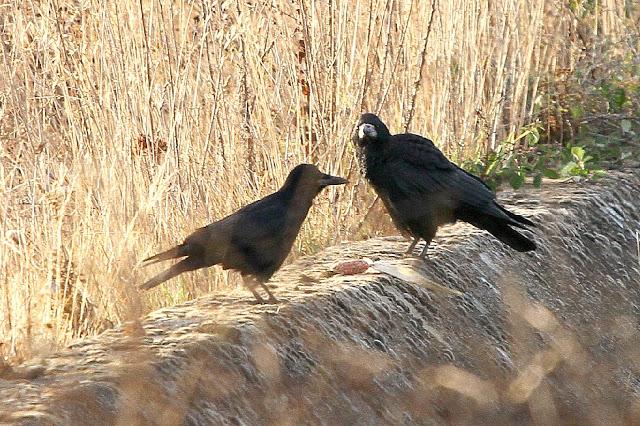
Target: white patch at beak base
367,129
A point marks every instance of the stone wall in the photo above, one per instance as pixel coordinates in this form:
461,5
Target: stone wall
545,337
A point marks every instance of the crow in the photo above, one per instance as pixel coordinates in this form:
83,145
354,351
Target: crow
254,240
422,190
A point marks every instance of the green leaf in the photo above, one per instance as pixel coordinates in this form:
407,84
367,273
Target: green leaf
492,167
577,112
533,137
551,174
626,126
517,180
537,180
567,170
617,98
577,152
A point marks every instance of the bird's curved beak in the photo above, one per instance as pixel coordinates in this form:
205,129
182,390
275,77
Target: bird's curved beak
332,180
366,129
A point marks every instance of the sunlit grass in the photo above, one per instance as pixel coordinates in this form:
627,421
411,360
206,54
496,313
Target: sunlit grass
124,127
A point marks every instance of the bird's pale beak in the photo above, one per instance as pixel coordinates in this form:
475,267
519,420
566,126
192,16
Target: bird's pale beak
332,180
366,129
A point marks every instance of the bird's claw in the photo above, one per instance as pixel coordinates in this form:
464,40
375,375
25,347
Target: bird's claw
261,301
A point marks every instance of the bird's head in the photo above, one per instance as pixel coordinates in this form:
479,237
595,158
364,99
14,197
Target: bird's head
307,179
370,131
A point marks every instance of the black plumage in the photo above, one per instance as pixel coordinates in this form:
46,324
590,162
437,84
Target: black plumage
423,190
254,240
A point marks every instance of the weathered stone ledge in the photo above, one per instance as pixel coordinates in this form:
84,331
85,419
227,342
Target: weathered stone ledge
544,337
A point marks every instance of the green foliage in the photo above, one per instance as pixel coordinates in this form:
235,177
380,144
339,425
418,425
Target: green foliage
586,119
524,155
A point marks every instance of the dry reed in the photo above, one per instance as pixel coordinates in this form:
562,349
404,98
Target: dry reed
124,125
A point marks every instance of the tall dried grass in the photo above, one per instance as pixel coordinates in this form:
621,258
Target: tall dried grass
124,125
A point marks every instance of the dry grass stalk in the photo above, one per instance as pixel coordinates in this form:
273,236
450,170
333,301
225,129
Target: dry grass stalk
83,82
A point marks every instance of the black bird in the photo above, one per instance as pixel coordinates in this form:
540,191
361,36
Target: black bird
254,240
423,190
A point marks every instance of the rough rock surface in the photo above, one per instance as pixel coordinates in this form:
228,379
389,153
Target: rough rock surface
545,337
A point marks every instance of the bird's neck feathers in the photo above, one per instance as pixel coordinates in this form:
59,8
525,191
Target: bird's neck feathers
298,203
295,193
383,136
377,145
375,151
372,160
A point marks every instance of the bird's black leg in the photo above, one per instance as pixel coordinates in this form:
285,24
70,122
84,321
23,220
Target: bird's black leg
423,253
272,299
428,235
259,298
409,251
251,283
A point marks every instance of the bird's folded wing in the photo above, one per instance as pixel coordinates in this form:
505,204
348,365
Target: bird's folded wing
420,170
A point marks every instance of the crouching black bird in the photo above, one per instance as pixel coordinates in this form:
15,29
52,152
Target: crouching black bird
256,239
423,190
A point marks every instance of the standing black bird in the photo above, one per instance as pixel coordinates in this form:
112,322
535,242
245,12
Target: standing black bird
423,190
256,239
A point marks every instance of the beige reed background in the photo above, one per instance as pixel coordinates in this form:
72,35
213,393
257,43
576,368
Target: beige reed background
124,125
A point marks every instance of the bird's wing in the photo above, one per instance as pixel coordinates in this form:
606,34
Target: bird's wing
261,235
261,224
474,177
420,170
255,224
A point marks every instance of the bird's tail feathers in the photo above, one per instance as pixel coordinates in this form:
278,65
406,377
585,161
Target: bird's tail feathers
509,236
516,219
174,252
188,264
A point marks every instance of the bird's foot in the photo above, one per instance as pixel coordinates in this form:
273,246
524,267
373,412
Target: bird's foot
424,255
424,258
259,300
409,252
273,300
